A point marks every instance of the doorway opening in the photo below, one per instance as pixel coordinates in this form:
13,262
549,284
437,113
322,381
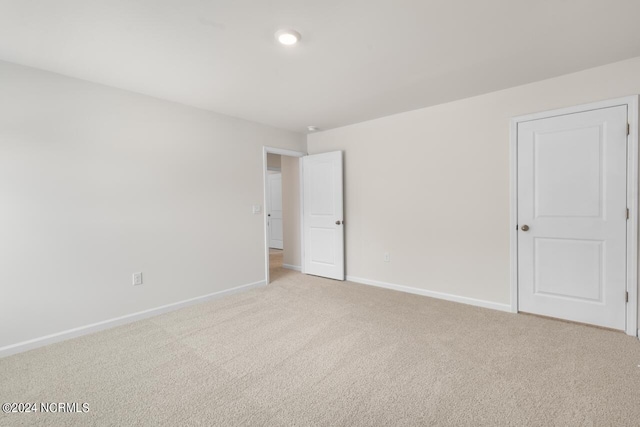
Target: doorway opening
310,214
282,210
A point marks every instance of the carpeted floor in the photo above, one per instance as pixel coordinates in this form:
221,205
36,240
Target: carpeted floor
309,351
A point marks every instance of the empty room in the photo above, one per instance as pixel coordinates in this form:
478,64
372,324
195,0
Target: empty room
319,213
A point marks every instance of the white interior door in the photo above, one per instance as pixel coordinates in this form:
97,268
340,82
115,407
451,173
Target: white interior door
274,210
572,215
323,215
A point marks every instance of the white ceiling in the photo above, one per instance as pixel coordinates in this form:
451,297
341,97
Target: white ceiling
358,59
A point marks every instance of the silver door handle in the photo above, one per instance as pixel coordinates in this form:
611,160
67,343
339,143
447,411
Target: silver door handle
524,228
339,222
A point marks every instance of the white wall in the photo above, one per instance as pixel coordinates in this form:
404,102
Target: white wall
291,210
431,186
98,183
273,161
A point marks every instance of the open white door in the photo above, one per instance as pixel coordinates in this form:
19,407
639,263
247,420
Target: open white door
323,215
572,216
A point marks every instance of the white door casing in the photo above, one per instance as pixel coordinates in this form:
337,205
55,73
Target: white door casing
274,210
572,196
323,221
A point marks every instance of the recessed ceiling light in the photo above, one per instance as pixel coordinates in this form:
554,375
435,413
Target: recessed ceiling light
312,128
288,37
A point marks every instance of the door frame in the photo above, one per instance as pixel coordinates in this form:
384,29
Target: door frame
282,152
631,102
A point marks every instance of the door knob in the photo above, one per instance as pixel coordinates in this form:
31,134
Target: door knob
524,228
338,222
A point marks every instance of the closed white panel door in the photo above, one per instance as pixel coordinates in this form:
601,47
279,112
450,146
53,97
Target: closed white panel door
572,215
274,210
323,215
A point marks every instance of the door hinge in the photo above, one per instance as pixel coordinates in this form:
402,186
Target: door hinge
627,213
626,296
628,129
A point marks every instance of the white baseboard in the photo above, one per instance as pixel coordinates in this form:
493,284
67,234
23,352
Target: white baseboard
117,321
292,267
433,294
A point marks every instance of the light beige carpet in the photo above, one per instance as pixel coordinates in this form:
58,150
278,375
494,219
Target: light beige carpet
308,351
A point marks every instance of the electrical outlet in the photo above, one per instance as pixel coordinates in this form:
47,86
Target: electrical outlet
137,279
387,257
257,209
